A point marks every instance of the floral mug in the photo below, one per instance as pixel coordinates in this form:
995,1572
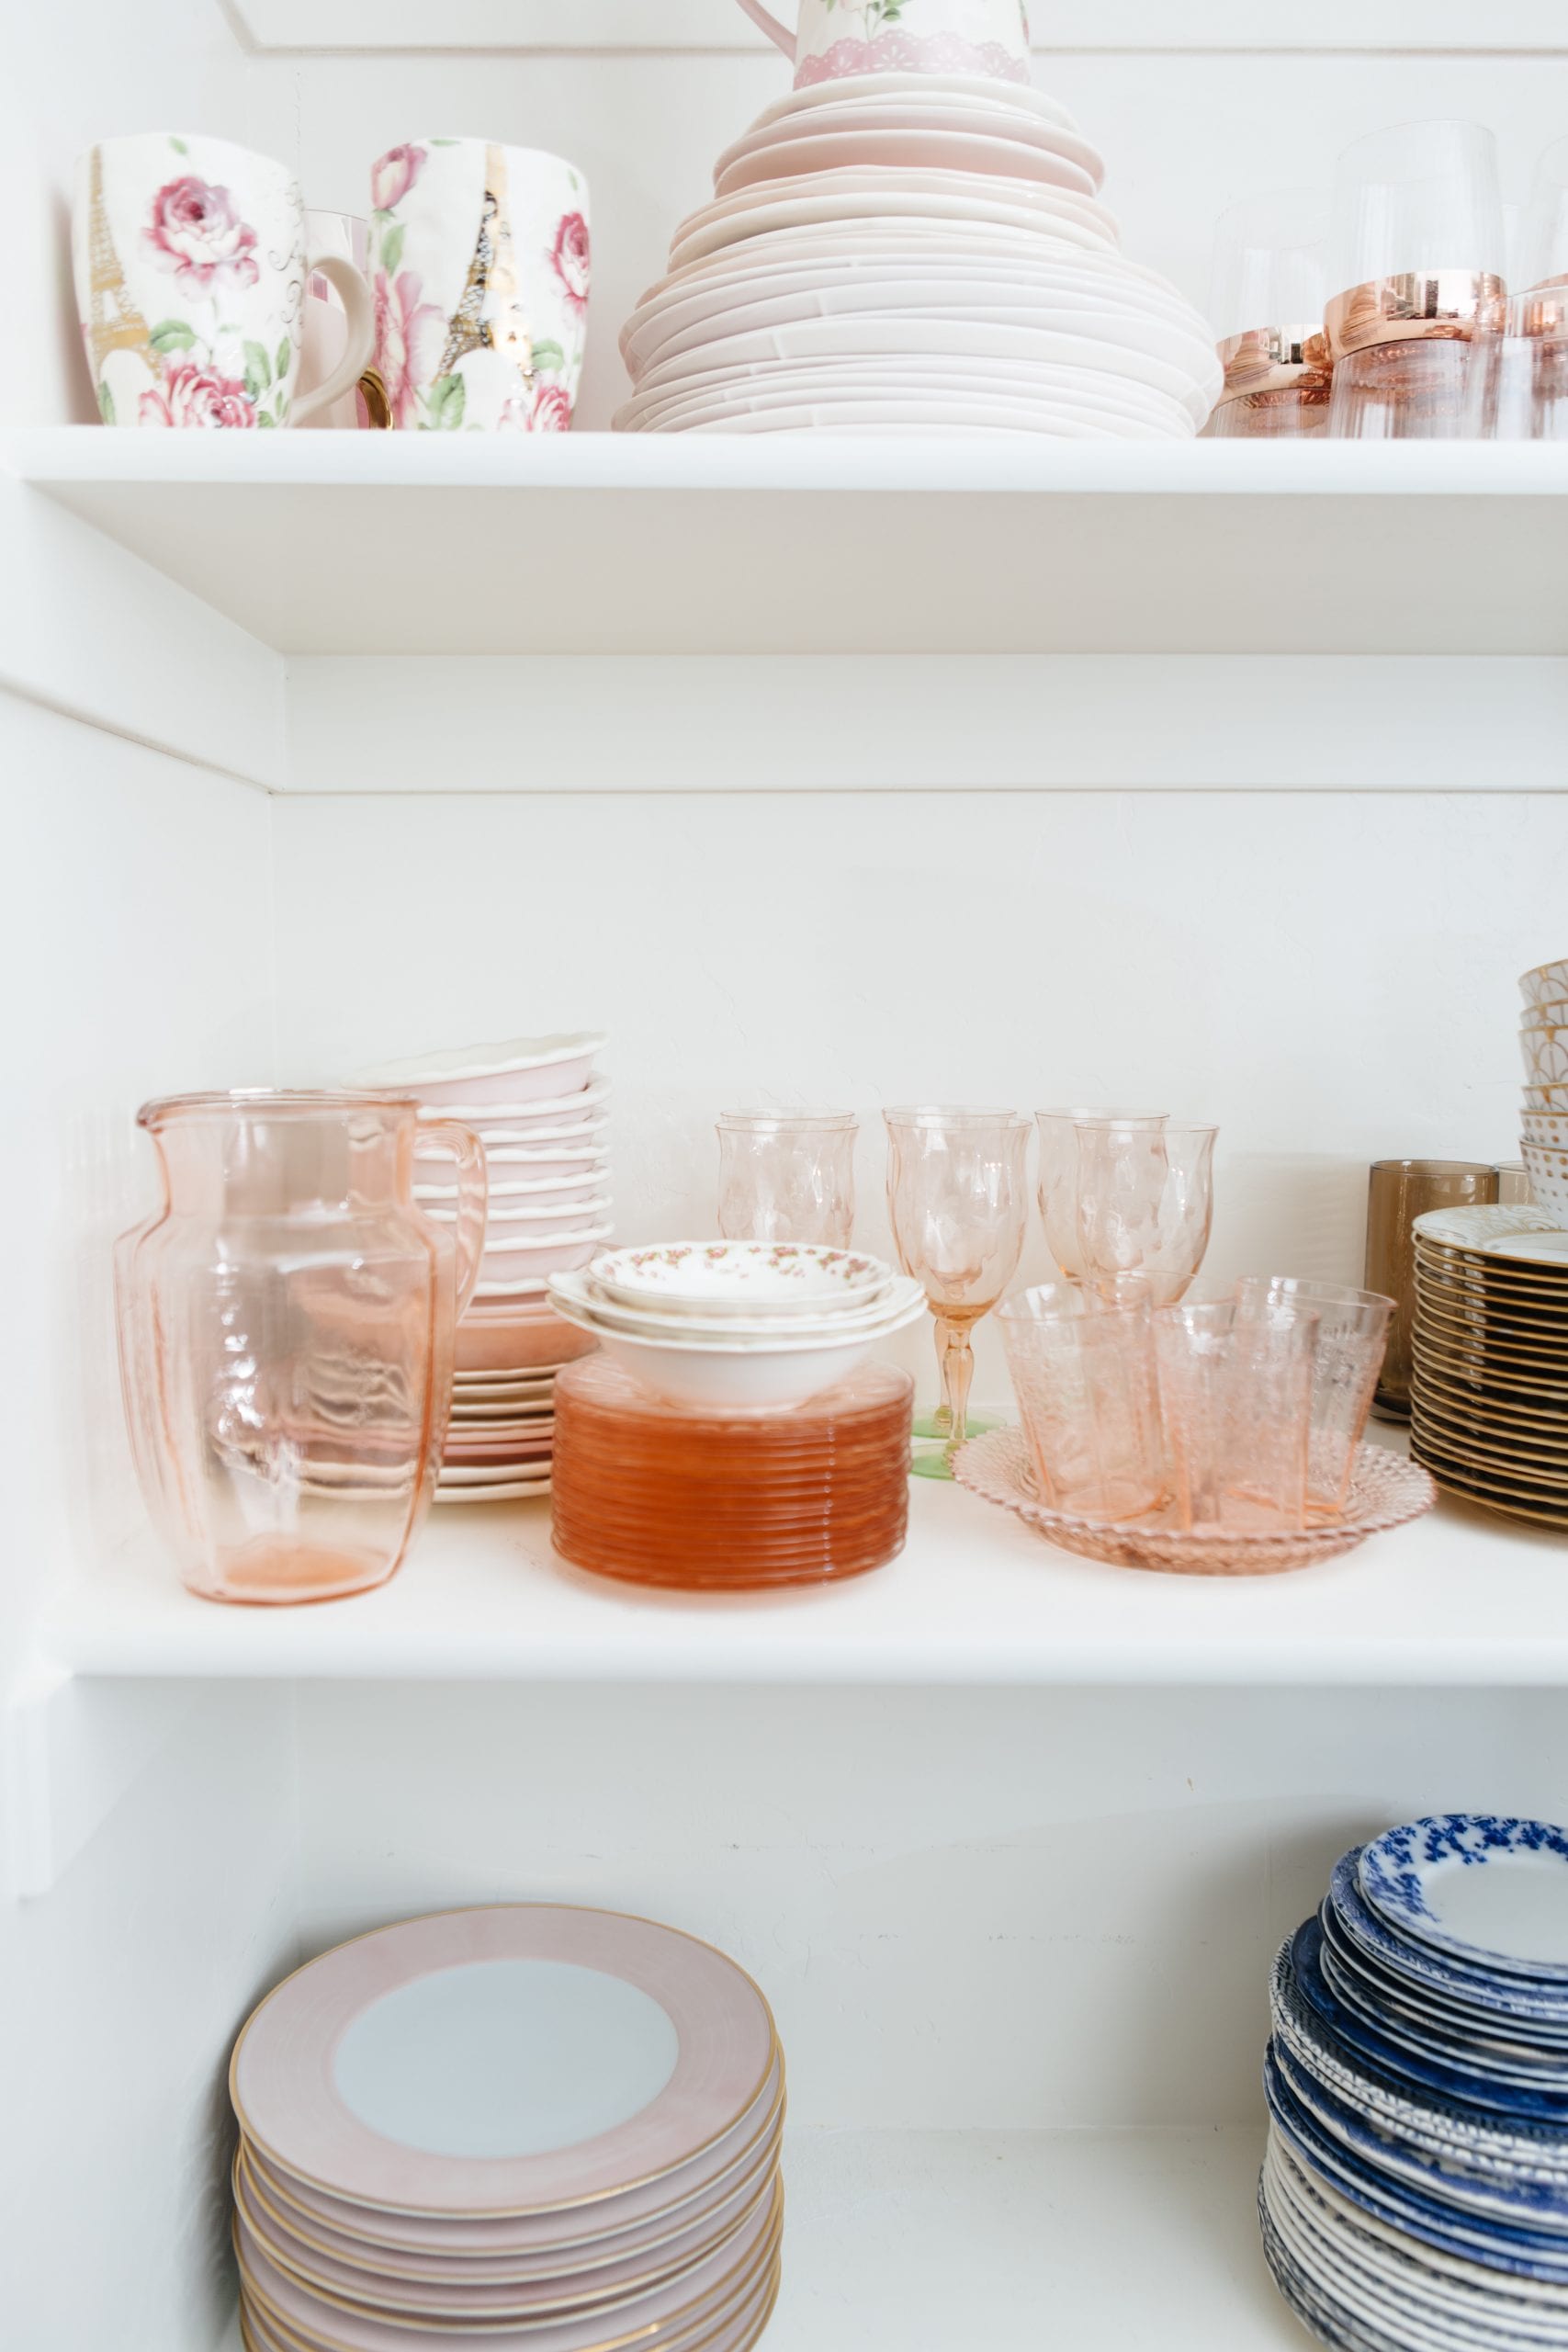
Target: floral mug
839,37
479,266
190,266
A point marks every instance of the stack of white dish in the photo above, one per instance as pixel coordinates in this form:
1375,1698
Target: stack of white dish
914,253
1543,1041
539,1111
529,2128
745,1325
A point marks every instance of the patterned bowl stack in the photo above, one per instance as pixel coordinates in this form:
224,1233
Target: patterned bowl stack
1415,2193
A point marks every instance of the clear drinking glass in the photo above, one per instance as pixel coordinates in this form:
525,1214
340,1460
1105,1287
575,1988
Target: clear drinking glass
1146,1203
286,1326
1235,1395
1417,263
1059,1190
1267,307
1352,1333
787,1176
1399,1190
1546,224
1083,1370
958,1200
1518,380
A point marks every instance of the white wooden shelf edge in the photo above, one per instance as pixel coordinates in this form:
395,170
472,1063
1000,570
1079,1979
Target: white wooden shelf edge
1461,1597
61,456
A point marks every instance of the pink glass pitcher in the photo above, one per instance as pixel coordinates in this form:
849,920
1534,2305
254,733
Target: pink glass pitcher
839,37
286,1325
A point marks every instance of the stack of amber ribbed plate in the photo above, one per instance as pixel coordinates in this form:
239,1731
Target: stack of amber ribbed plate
526,2129
1489,1380
690,1496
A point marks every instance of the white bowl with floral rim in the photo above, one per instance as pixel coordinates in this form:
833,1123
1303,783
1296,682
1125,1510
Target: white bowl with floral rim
758,1329
740,1278
737,1374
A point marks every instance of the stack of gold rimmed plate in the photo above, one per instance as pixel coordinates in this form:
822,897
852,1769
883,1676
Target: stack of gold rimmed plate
1489,1381
530,2129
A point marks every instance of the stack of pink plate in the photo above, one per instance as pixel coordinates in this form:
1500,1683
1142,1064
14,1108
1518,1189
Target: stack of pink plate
529,2129
539,1110
913,252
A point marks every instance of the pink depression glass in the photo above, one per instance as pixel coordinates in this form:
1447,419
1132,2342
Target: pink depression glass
286,1325
1146,1203
787,1176
1083,1371
1352,1335
1059,1190
958,1203
1236,1397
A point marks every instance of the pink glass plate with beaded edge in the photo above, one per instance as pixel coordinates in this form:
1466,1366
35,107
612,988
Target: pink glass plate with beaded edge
1386,1491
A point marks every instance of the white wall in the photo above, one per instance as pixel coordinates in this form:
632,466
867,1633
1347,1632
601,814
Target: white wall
1330,976
1004,1909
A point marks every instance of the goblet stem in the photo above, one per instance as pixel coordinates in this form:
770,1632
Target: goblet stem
956,1357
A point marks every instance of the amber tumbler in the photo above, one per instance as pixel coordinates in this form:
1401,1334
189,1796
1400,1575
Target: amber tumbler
1400,1190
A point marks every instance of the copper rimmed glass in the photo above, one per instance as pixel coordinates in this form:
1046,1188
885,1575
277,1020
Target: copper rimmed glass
1236,1397
1352,1334
1146,1203
1083,1371
1058,1192
1266,310
787,1176
958,1203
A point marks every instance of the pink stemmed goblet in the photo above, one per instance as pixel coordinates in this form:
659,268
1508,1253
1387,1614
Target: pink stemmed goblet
958,1201
1146,1203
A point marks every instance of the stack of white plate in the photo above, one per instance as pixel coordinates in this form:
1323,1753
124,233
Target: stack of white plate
740,1324
1415,2195
530,2128
539,1110
916,253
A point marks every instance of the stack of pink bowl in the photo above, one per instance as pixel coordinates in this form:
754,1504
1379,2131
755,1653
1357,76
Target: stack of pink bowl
914,252
538,1110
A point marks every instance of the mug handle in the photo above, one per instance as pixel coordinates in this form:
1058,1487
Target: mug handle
473,1194
361,345
771,25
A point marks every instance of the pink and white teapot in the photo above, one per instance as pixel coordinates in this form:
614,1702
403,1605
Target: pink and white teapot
839,38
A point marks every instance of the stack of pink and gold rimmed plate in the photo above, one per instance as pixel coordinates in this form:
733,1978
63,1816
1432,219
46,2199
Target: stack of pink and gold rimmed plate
539,1110
531,2128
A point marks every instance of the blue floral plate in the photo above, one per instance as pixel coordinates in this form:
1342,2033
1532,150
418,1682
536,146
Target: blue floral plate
1511,1996
1429,2035
1483,1887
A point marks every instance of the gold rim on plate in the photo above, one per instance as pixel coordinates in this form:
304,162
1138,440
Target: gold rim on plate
1455,1479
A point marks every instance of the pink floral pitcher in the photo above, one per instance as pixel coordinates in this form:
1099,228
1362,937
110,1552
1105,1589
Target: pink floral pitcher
839,38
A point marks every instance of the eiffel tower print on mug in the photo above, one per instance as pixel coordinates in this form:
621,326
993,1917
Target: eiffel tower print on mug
479,265
190,266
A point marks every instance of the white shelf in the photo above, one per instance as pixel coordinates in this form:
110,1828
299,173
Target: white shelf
1461,1597
596,543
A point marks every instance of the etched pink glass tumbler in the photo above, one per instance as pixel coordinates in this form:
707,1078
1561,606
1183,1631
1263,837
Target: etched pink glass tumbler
1352,1335
1083,1371
787,1176
1236,1397
286,1326
958,1201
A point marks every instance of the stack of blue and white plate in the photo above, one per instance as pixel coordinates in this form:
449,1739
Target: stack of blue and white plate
1415,2194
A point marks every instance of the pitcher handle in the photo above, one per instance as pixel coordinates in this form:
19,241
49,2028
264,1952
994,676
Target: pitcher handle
361,345
771,25
473,1196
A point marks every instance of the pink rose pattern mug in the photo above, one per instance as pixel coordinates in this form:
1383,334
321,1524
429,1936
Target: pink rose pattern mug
190,266
479,271
839,37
